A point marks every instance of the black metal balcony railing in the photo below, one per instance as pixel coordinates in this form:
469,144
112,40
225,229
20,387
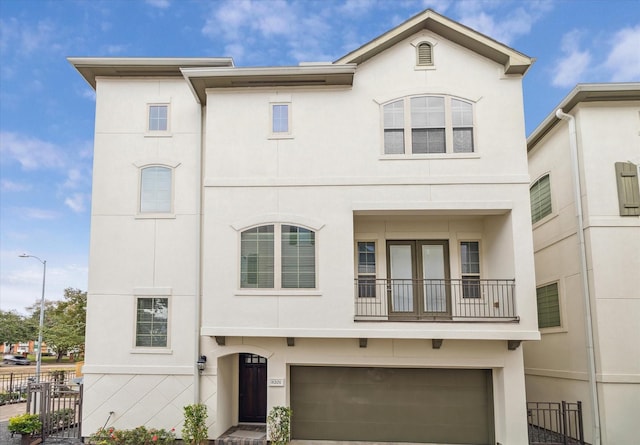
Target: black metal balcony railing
467,299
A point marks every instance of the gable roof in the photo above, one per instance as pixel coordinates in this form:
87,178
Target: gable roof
513,61
585,92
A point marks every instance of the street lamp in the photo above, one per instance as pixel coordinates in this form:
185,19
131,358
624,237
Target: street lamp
44,276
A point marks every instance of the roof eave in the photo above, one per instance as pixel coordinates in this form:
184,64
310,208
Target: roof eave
586,92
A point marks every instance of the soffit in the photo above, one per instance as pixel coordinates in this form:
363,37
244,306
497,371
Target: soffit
92,67
202,79
513,61
583,93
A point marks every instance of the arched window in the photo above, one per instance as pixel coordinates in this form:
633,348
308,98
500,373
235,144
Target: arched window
424,54
278,256
540,196
155,189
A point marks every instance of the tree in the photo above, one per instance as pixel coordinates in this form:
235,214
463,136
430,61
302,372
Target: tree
13,328
66,322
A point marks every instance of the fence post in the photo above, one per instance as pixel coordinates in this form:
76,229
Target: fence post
580,426
565,425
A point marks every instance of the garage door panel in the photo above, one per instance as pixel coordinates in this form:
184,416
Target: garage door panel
392,404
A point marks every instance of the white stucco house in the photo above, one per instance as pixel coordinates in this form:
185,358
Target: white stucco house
350,239
586,228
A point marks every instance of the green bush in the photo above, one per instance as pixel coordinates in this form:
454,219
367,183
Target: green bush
136,436
279,421
194,430
25,424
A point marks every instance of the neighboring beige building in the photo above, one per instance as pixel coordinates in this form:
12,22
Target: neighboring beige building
351,239
589,352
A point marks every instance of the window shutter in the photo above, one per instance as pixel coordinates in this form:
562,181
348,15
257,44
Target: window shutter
425,54
628,188
540,195
548,306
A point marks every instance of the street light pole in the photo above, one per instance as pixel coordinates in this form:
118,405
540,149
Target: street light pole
40,328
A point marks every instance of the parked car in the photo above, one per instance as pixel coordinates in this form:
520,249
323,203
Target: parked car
15,360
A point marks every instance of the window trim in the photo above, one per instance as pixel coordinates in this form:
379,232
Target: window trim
151,349
448,126
158,133
156,215
277,288
551,213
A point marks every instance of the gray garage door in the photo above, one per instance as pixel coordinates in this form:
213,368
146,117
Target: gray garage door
392,404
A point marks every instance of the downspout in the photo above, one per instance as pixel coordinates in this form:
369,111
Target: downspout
593,389
198,282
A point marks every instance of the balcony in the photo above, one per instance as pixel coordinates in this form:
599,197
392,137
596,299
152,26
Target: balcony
435,300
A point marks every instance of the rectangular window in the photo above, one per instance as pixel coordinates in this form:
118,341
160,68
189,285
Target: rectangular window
158,117
462,121
155,190
257,257
540,197
548,306
470,267
427,125
366,269
298,258
280,119
394,128
152,319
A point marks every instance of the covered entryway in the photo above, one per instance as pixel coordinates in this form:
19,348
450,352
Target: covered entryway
253,389
392,404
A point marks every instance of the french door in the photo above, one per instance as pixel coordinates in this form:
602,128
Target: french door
418,278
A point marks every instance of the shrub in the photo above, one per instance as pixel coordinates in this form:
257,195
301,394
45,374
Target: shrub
279,422
25,424
136,436
194,431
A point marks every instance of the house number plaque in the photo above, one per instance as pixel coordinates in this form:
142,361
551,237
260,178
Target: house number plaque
276,382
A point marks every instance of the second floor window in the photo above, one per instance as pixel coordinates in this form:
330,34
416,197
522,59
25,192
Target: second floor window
428,124
278,256
152,317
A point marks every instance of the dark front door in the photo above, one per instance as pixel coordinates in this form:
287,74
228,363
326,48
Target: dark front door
253,388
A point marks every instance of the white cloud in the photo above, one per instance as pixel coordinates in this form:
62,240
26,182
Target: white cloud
31,153
571,66
356,7
162,4
76,202
624,57
7,185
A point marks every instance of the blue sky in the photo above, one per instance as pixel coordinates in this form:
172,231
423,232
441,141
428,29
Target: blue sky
47,109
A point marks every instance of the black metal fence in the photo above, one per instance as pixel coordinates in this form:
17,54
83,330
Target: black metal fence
556,423
13,386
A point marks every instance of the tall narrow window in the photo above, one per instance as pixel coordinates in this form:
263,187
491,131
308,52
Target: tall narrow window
427,125
366,269
462,120
548,306
394,127
152,317
158,117
470,265
257,257
155,190
298,258
425,54
280,118
540,196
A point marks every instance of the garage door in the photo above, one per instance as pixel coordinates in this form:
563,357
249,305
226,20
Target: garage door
392,404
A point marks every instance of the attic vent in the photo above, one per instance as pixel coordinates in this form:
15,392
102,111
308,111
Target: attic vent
425,54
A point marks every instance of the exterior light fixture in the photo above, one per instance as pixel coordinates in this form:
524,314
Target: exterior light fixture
202,363
44,276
